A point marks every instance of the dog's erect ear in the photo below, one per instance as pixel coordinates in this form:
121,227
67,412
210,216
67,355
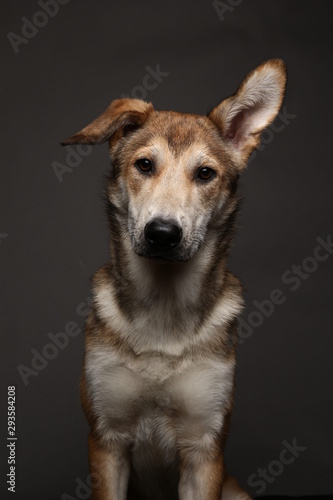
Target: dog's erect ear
122,113
242,117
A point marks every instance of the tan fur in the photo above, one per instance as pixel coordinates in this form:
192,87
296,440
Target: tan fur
158,376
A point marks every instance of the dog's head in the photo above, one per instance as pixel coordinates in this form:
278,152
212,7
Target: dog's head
173,174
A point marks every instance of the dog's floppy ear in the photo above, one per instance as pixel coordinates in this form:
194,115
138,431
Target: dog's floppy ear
242,117
121,113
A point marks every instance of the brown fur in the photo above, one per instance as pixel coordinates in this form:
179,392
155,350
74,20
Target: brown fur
163,333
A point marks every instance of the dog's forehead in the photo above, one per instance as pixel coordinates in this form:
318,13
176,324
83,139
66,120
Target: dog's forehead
182,131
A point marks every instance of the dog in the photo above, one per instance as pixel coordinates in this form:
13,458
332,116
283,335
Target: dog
158,374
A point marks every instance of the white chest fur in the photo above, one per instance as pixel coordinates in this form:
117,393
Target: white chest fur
157,329
173,392
159,399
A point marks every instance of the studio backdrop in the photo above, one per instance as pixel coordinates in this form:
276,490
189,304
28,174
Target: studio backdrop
64,61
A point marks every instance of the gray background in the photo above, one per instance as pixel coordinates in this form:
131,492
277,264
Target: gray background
87,55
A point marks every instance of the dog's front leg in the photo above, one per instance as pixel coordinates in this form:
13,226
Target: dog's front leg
201,479
109,469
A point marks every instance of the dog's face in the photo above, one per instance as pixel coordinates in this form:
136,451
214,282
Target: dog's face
173,173
171,179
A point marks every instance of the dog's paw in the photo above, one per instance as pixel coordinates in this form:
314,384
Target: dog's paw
231,490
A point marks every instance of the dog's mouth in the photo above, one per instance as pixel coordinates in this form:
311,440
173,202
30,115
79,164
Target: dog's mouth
179,253
164,257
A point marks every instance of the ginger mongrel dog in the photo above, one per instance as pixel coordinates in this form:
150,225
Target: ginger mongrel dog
158,375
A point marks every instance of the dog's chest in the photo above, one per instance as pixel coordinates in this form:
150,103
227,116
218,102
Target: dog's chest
157,398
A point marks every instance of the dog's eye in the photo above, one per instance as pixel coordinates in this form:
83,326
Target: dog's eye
143,165
205,174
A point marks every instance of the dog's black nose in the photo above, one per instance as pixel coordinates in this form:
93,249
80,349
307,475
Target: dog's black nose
163,234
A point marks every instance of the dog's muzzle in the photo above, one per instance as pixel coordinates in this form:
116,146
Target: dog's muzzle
162,235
